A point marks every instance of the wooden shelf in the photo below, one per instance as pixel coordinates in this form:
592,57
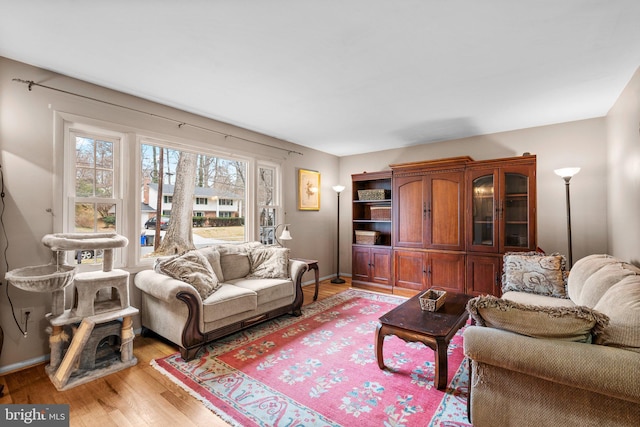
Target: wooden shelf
381,201
371,263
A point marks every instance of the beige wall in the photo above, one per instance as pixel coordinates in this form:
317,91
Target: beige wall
581,143
27,153
623,135
27,159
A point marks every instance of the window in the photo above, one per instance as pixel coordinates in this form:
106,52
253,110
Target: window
214,177
267,203
109,178
94,195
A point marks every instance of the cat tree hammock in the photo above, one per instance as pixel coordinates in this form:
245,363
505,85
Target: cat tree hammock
94,337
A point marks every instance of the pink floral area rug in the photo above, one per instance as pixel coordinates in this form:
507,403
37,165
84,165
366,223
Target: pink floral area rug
320,369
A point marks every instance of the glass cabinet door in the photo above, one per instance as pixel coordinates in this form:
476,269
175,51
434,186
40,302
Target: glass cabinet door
516,210
483,202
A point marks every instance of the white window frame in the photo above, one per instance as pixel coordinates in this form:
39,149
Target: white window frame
127,179
277,196
72,129
199,148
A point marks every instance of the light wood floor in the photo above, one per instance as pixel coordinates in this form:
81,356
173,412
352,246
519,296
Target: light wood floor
137,396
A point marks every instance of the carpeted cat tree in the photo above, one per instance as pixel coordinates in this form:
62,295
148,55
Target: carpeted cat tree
94,337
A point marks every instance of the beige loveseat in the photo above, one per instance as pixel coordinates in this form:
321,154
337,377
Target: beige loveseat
211,292
552,361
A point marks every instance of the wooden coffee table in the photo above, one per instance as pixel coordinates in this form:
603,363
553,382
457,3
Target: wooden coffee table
433,328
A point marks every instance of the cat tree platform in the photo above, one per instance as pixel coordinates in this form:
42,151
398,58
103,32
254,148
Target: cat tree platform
82,362
95,336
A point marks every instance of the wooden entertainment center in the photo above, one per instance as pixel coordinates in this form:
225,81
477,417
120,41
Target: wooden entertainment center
442,223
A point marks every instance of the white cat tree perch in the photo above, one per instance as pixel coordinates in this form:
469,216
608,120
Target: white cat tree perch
84,339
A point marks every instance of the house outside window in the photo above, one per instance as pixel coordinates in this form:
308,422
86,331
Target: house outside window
109,177
217,178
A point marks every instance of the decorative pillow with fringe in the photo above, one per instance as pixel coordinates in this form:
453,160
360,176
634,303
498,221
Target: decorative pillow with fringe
535,273
577,323
193,268
269,263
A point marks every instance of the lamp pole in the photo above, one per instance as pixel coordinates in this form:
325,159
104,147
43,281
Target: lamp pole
338,189
566,186
566,174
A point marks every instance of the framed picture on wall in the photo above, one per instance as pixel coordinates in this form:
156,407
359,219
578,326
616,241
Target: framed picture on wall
308,190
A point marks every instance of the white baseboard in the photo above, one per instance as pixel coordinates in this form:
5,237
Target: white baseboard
24,364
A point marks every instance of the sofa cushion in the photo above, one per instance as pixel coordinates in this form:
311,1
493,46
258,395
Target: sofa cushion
234,266
269,263
236,248
267,289
621,302
582,269
213,256
234,259
535,299
535,273
193,268
598,283
562,323
228,301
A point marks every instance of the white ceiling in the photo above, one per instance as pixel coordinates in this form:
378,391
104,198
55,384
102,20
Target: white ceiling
343,76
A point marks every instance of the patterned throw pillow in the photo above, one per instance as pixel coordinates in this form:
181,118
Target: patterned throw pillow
535,273
269,263
193,268
577,323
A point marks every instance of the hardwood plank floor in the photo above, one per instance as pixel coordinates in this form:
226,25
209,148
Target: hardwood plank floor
137,396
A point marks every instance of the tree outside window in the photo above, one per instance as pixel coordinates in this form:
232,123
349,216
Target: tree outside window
190,185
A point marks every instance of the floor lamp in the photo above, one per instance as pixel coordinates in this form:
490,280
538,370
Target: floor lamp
566,174
338,189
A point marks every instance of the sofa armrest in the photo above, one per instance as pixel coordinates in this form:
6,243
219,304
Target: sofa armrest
162,286
601,369
296,271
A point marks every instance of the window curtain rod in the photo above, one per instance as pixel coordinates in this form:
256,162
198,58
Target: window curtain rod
31,83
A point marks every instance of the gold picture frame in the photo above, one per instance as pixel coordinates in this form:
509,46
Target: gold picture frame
308,190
